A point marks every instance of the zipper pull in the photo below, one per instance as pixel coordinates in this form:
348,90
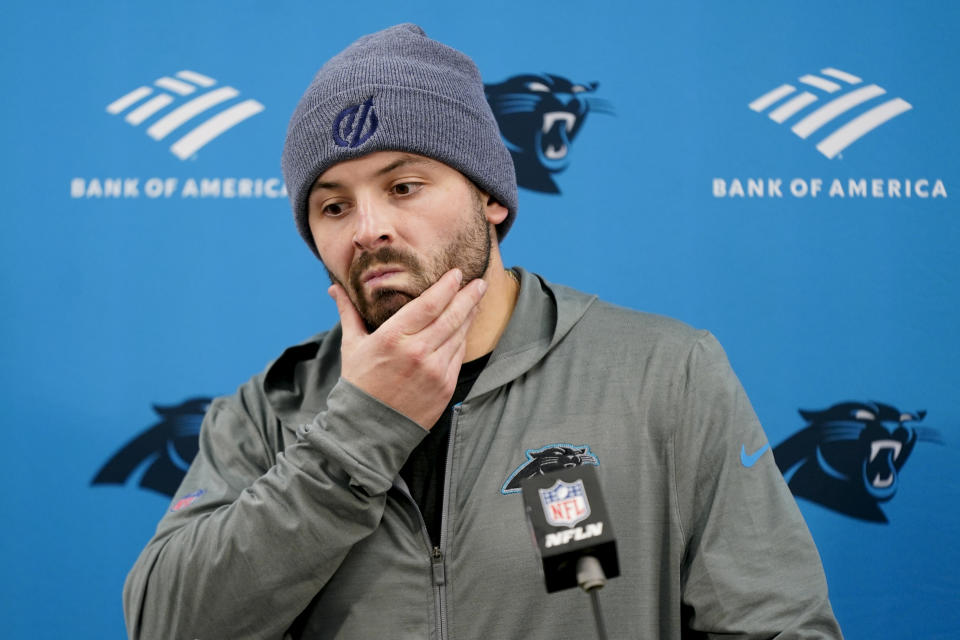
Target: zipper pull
438,573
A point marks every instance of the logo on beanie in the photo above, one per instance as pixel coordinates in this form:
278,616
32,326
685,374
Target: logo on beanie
354,125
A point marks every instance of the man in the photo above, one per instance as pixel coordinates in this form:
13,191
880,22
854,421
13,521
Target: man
364,486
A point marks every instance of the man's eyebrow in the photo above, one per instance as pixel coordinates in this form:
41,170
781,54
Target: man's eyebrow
400,162
324,185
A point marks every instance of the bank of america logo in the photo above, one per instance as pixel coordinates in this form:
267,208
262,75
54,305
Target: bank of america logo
139,109
844,94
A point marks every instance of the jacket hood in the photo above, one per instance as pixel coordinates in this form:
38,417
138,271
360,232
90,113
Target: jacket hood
296,384
542,317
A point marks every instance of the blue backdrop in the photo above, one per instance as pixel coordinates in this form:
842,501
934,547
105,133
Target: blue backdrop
149,256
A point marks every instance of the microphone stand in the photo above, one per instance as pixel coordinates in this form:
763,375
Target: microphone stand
591,579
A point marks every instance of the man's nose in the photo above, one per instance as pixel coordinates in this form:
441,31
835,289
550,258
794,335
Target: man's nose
374,226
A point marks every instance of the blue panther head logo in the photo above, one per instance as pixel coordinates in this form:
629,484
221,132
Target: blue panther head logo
159,457
539,116
848,458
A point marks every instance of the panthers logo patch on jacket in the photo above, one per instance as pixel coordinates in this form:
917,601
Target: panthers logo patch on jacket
552,457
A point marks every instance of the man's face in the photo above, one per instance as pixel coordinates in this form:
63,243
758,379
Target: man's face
389,224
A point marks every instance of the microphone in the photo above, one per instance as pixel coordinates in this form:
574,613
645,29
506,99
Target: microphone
571,528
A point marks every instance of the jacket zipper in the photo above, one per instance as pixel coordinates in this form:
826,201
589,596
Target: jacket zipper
436,552
439,567
439,600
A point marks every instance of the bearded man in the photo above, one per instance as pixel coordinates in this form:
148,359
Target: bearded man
363,485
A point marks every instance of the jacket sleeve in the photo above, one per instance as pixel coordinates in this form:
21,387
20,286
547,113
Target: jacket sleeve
751,569
269,529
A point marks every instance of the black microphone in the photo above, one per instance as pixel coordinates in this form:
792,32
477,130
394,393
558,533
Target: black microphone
571,528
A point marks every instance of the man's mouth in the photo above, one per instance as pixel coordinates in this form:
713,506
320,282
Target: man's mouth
379,274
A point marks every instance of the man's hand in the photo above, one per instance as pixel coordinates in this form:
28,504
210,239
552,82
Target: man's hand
411,362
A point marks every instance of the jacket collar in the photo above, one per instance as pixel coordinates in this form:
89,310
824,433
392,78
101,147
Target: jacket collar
543,315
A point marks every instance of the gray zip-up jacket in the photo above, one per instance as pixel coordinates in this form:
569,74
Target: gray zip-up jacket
293,522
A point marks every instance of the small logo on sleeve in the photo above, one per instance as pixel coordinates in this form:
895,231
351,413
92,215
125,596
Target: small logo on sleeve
187,500
750,459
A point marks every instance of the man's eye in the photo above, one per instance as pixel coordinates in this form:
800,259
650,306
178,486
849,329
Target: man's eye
334,210
406,188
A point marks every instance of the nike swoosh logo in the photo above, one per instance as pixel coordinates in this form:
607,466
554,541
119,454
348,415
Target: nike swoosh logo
748,460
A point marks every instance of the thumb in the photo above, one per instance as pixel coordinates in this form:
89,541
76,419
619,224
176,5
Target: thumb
350,319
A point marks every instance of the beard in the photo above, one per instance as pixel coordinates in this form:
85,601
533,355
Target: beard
469,251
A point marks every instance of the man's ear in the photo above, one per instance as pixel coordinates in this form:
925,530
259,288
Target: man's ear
494,211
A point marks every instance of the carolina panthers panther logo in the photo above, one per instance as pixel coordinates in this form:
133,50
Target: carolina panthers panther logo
159,457
849,456
552,457
539,117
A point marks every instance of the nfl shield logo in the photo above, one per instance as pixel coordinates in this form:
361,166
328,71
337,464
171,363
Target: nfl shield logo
565,503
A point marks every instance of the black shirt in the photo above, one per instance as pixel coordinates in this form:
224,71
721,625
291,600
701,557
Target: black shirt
426,467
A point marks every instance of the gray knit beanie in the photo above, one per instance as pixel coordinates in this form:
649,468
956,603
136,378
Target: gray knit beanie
397,90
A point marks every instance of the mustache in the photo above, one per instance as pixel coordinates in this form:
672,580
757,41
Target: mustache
384,255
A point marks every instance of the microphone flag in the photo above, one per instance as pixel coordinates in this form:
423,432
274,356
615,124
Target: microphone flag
568,520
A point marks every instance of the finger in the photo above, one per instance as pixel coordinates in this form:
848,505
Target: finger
350,320
417,314
457,340
453,318
456,362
